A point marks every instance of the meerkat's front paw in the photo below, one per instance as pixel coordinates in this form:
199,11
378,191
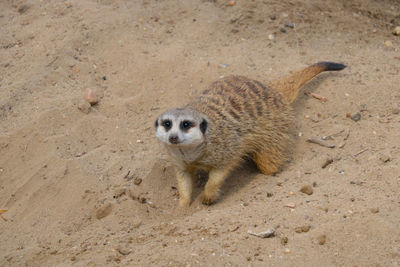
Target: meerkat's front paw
184,202
209,198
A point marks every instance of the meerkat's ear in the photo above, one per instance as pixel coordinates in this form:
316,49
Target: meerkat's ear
203,126
156,123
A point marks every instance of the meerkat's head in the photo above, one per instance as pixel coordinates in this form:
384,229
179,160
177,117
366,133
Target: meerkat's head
181,128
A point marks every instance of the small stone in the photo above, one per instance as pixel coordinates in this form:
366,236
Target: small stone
374,210
269,194
388,43
282,29
104,211
73,258
396,31
119,192
231,3
327,162
289,25
90,96
385,158
22,9
290,205
84,107
272,17
137,181
266,234
307,189
284,240
53,252
302,229
395,110
298,230
123,251
287,251
321,239
355,116
271,36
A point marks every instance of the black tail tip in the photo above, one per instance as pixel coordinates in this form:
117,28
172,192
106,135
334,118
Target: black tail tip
331,65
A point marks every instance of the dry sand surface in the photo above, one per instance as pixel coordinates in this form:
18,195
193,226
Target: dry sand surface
91,186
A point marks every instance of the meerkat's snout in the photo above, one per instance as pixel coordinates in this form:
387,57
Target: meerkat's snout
173,139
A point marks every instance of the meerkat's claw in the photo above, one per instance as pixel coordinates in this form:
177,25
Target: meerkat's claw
208,200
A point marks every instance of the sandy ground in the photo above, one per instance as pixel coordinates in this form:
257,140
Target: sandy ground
70,173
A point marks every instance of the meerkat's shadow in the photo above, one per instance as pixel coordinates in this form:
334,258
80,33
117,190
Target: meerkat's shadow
239,177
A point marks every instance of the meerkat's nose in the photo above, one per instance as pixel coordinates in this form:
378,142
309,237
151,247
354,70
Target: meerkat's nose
173,139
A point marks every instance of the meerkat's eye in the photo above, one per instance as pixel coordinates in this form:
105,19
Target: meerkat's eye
186,125
167,124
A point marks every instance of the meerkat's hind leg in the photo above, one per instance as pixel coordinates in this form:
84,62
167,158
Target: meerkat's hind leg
215,179
185,186
269,161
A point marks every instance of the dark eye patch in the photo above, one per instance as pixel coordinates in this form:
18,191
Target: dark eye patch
186,125
203,126
167,124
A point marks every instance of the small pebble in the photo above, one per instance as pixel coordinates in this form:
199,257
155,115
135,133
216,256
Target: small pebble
385,158
232,3
395,111
321,239
287,251
282,29
104,211
123,251
90,96
298,230
396,31
290,205
271,36
327,162
302,229
137,181
388,43
266,234
289,25
356,116
307,189
374,210
84,107
119,192
284,240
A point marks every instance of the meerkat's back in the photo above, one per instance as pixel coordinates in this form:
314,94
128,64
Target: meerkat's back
244,115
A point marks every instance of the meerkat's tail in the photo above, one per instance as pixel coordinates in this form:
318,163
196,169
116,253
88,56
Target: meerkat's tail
289,86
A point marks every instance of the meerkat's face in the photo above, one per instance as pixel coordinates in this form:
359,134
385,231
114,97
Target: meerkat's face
181,127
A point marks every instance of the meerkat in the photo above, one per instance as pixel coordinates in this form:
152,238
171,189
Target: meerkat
234,118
